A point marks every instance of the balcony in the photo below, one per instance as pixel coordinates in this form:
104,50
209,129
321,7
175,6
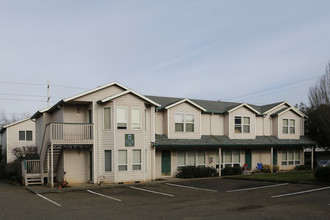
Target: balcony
71,133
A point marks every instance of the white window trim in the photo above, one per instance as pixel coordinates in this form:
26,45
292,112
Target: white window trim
111,158
123,164
140,164
106,129
185,159
242,124
289,126
126,116
184,122
197,162
294,161
140,109
232,164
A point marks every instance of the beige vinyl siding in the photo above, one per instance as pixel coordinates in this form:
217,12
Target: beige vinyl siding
57,115
160,122
260,126
60,169
260,156
226,125
244,112
212,124
39,128
13,137
75,113
302,126
101,94
206,124
270,124
275,126
184,108
76,166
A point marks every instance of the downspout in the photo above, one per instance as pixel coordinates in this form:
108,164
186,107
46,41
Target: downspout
94,146
114,141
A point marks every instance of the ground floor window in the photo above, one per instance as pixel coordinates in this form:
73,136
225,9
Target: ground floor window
191,158
290,156
122,160
107,160
230,158
136,159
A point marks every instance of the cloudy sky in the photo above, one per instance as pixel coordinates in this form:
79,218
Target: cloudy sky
257,52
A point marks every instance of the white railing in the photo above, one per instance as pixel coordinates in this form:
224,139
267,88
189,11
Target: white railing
71,133
32,166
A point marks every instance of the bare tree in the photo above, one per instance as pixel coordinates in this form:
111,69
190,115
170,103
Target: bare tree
320,93
4,120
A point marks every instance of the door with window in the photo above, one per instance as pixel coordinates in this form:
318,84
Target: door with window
166,163
248,158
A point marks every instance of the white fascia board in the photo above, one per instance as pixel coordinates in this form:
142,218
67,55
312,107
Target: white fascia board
133,92
15,123
294,110
246,105
94,90
276,107
186,100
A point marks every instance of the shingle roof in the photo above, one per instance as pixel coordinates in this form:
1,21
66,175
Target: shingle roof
210,141
210,106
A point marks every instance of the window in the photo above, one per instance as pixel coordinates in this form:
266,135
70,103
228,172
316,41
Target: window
136,159
184,122
230,158
191,160
242,124
290,156
121,118
289,126
107,160
107,118
25,135
145,120
22,135
181,158
136,118
122,160
179,122
201,158
29,135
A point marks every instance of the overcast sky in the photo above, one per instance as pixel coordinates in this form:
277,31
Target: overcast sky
257,52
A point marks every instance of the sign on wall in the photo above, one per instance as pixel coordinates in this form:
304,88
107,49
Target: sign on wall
129,140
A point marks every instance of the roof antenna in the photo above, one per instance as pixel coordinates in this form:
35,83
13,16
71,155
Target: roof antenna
48,98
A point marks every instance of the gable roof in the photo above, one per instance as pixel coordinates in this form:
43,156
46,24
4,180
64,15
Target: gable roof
283,110
244,105
126,92
186,100
12,124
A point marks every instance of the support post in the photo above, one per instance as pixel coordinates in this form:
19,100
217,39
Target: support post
271,159
52,165
48,168
220,161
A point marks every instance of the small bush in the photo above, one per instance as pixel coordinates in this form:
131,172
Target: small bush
227,171
302,167
322,174
276,168
266,168
196,172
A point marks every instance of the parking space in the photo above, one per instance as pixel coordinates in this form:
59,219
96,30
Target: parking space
209,198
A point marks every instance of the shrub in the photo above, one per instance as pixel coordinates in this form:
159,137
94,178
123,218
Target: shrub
266,168
196,172
227,171
302,167
322,174
11,169
276,168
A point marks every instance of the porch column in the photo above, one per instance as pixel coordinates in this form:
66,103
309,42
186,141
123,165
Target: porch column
312,158
220,161
271,158
51,165
154,163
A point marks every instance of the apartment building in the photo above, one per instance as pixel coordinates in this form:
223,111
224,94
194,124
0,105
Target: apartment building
114,134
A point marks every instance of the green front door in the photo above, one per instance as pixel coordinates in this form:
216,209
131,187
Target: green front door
248,158
275,157
166,163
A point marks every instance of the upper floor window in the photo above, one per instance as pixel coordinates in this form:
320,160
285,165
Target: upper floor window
121,118
107,118
25,135
136,118
242,124
289,126
184,122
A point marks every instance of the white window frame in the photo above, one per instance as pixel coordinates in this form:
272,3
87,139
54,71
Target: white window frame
184,159
122,164
104,127
136,164
19,135
184,123
26,135
232,162
125,121
242,125
296,160
139,123
105,168
289,126
292,126
204,158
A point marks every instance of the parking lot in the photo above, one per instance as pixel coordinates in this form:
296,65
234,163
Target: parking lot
197,199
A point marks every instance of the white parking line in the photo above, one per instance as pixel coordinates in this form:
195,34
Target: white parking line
160,193
48,199
259,187
99,194
302,192
191,187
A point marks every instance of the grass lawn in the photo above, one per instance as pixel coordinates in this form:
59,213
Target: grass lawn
290,176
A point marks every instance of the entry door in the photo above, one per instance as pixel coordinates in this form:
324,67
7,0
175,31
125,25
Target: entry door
166,163
275,157
248,158
90,165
